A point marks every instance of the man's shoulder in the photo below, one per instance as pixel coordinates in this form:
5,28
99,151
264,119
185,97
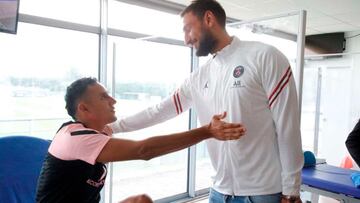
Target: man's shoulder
70,125
262,50
77,128
256,45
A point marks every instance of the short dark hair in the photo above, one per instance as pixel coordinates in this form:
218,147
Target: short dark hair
75,91
199,7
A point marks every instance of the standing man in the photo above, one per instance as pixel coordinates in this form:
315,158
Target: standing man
253,82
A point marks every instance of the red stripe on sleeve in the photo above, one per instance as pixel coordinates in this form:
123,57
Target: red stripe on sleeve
279,83
175,102
178,99
282,87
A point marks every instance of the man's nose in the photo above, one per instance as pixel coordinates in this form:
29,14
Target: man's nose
187,41
112,100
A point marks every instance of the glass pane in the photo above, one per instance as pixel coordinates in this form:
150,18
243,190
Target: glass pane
204,169
308,108
276,32
146,73
156,23
37,65
80,11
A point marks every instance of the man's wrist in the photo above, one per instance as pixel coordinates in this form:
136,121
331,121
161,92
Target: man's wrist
206,131
291,198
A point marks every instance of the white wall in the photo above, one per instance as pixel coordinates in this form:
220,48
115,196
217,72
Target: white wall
352,46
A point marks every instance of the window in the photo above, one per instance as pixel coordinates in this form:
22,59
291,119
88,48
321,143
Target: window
146,73
37,65
124,16
80,11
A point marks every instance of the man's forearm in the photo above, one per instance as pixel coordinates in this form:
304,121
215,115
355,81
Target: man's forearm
160,145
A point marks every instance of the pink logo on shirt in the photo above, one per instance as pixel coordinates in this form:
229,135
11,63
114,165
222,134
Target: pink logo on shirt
94,183
100,182
238,71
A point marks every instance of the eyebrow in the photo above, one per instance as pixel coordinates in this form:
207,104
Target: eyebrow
106,93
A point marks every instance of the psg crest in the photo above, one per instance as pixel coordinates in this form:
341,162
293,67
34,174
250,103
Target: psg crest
238,71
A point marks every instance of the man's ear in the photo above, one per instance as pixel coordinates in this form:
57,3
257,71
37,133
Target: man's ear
82,108
84,111
209,18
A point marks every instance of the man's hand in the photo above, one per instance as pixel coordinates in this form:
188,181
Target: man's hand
225,131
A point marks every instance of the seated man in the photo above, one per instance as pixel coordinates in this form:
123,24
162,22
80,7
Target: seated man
353,143
74,169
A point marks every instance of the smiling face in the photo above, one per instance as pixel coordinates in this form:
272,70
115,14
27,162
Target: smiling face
197,34
99,105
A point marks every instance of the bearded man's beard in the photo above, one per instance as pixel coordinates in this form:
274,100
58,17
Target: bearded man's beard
207,43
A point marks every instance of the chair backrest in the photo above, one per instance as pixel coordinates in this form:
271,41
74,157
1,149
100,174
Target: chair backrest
21,159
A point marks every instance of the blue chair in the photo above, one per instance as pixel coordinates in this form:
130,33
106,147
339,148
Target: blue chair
21,159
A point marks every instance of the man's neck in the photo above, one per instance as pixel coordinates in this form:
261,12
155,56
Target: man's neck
224,40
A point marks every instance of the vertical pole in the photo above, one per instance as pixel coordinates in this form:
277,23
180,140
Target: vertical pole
317,113
192,149
111,165
300,57
103,63
103,42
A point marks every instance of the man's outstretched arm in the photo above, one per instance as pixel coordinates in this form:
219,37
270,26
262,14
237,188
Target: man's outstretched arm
122,149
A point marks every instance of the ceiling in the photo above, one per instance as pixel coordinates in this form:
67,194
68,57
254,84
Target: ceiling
323,16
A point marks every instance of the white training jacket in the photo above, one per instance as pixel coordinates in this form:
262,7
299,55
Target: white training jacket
253,82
